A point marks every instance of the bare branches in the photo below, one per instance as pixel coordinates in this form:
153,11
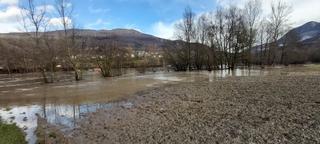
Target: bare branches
186,32
278,21
35,14
252,13
279,18
65,12
232,34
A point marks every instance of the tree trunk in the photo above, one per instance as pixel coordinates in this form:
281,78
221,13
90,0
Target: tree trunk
78,75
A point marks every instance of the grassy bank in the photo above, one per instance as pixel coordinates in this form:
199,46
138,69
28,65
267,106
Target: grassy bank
11,134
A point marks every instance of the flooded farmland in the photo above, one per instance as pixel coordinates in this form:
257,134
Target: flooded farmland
63,103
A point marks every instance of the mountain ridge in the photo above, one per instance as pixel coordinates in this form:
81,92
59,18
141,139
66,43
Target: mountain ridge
125,37
306,33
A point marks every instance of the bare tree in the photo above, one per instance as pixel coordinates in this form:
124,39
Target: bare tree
32,13
104,59
221,36
186,32
237,35
278,23
176,55
35,20
231,34
264,39
252,12
109,57
211,33
65,11
69,43
201,36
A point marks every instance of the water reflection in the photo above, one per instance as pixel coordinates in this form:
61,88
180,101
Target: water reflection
65,102
59,114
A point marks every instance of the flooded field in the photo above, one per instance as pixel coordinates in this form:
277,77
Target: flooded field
63,103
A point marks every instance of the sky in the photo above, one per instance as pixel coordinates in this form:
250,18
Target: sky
155,17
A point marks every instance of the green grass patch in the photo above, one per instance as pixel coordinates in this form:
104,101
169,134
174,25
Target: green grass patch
11,134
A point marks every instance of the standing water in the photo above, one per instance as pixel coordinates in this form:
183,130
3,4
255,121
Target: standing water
63,103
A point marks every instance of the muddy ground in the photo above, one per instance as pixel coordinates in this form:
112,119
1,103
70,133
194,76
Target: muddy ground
269,109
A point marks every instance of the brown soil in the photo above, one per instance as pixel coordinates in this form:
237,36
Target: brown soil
270,109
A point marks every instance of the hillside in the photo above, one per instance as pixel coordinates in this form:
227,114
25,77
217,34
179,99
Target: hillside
302,44
124,37
308,33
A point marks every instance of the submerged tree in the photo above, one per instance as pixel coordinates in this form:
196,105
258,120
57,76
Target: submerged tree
202,55
35,20
70,45
186,32
109,57
229,37
213,51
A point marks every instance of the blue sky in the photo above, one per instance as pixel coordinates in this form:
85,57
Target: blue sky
156,17
143,15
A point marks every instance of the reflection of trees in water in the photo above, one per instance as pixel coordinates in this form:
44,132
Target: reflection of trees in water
67,115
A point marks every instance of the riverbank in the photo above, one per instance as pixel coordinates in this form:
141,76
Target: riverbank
265,109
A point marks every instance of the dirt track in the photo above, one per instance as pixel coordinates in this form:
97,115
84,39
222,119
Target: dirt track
270,109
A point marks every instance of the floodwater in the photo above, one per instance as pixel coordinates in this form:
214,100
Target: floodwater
63,103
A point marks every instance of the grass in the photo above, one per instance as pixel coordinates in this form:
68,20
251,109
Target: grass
11,134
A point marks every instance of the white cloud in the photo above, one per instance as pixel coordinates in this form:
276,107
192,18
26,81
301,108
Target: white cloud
46,8
9,27
98,24
9,14
9,2
164,30
303,11
167,30
132,26
9,17
57,22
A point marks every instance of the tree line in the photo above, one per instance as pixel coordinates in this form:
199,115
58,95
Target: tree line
233,36
224,39
42,51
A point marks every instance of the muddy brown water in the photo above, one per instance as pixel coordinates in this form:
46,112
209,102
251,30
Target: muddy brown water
63,103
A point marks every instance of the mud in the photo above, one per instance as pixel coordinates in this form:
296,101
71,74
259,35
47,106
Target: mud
265,109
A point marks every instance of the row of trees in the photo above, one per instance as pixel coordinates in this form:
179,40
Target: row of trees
224,39
229,37
48,52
